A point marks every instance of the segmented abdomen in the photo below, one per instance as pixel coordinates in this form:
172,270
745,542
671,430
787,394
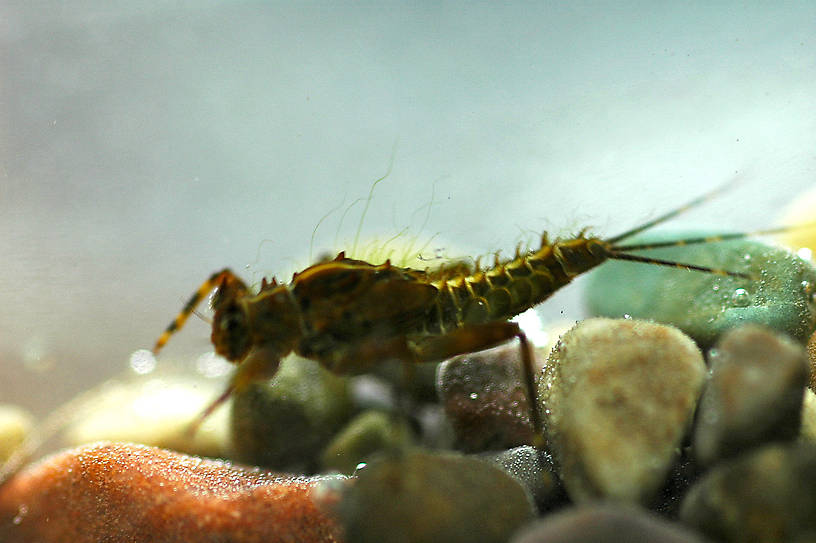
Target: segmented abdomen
510,287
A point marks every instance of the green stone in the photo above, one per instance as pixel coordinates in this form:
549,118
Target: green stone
430,497
284,423
368,433
704,305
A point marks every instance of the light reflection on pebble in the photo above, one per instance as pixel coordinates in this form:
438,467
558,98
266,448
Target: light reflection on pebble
142,361
211,365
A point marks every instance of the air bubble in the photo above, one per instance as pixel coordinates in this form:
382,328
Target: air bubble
741,298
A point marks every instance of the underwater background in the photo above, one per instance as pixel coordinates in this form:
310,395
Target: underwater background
144,145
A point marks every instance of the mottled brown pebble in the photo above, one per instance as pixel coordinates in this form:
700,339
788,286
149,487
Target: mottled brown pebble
125,492
811,354
485,400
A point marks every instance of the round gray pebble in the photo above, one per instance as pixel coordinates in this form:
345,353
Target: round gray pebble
534,470
754,395
766,495
432,497
606,523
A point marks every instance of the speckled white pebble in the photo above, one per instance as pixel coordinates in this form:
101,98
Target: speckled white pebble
618,396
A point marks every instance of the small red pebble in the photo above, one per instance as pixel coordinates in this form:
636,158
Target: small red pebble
126,492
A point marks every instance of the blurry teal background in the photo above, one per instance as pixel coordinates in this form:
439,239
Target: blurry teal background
144,145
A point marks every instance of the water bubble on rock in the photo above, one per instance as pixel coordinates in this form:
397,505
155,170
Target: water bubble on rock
741,298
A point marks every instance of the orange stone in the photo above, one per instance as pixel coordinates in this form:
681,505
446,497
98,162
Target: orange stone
125,492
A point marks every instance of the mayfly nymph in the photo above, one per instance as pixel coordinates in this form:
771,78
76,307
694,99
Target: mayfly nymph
350,315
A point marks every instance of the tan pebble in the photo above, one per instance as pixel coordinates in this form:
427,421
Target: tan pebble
801,210
155,411
808,429
15,425
618,396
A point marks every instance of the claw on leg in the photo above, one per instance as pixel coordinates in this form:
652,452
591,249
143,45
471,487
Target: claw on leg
193,427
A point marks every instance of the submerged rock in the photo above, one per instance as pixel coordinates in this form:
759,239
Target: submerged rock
754,395
607,523
534,470
431,497
705,305
125,492
810,349
807,431
368,433
485,399
15,426
766,495
618,397
152,410
285,422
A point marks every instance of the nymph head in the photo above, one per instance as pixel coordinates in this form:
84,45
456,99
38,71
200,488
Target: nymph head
231,332
231,329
